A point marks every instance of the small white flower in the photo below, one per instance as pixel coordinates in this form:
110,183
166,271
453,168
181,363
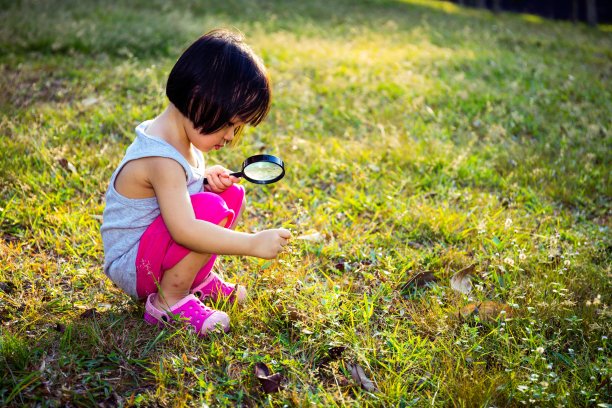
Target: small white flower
508,222
509,261
567,262
540,350
522,256
523,388
604,337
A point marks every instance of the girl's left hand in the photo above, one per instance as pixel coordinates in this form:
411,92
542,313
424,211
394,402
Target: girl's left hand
219,179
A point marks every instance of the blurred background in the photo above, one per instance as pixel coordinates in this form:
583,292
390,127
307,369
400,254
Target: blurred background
590,11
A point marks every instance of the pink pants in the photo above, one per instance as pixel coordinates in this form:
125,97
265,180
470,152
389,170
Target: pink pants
157,251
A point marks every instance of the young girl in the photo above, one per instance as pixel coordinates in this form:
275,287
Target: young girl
163,227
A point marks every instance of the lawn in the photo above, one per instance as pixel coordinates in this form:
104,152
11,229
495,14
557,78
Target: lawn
448,188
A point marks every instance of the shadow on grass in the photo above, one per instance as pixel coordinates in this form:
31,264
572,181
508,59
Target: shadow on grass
98,356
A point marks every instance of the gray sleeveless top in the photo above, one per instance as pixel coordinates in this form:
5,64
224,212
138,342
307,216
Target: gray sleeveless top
126,219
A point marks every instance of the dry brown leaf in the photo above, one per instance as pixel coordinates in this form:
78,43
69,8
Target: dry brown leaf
486,311
420,279
270,382
89,313
291,312
360,378
67,165
336,352
462,280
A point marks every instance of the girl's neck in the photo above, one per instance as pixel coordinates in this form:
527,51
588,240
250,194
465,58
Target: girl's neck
169,127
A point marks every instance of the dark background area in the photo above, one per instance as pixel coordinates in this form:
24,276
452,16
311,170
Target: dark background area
572,10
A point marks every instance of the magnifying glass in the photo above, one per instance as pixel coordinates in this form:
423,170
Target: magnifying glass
261,169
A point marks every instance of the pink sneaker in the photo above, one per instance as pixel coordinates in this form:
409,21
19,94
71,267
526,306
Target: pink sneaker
201,318
214,287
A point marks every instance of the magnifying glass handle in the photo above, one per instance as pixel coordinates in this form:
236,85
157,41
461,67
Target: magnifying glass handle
236,174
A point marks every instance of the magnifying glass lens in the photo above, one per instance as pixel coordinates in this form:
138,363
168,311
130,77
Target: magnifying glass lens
263,171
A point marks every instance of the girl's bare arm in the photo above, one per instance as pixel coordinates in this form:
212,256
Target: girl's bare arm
167,178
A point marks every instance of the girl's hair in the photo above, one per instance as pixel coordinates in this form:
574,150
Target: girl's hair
217,79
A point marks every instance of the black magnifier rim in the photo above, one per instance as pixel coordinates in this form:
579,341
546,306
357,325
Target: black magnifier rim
263,158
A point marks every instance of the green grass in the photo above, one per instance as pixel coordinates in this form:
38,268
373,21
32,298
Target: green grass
420,137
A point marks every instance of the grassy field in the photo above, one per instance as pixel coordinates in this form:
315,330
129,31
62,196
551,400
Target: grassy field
448,179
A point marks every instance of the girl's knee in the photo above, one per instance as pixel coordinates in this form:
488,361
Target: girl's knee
236,190
234,197
212,208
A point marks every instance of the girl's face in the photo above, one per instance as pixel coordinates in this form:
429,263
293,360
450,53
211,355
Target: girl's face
215,140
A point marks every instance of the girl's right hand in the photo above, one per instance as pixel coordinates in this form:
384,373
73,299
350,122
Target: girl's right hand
269,243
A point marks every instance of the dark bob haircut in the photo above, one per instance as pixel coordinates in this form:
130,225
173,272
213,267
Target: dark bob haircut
217,79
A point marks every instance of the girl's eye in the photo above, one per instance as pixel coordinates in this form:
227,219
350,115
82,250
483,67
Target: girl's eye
230,124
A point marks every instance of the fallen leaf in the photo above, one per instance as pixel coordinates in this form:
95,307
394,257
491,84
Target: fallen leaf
7,287
269,382
420,279
360,378
67,165
291,312
336,352
462,280
88,314
486,311
314,237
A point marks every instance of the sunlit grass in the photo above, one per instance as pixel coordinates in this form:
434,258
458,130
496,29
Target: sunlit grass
421,139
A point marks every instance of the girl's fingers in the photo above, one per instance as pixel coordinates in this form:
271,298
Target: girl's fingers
219,182
284,233
225,180
213,182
